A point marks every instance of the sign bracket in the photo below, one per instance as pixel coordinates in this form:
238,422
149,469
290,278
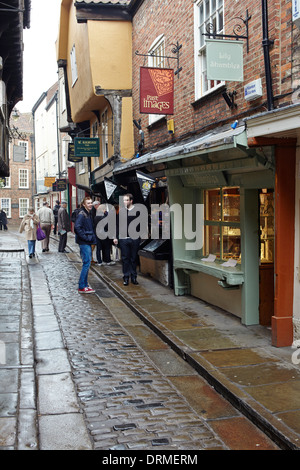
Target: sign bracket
236,33
175,50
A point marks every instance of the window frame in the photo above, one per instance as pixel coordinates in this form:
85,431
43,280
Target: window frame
8,214
27,206
24,143
27,178
204,87
220,223
157,62
74,69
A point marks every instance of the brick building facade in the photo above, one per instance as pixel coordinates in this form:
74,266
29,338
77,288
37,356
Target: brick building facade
166,22
16,193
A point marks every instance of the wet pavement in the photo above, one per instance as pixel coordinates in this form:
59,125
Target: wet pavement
131,368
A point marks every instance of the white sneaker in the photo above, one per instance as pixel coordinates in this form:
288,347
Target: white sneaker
112,263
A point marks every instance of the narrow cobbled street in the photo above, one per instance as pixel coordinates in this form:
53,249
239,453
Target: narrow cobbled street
94,381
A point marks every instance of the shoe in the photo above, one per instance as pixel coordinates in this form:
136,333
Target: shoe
44,249
134,281
30,256
65,251
126,281
99,264
86,290
111,263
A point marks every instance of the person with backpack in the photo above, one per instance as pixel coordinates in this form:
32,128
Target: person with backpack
85,237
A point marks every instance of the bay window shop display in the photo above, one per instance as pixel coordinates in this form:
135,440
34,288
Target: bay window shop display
222,233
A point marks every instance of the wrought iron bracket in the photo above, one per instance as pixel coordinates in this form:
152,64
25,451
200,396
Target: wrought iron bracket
236,33
175,50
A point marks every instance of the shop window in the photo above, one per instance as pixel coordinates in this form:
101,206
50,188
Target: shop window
222,223
207,12
266,226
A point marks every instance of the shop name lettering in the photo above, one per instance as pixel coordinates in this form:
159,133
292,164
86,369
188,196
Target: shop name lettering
226,64
184,219
152,102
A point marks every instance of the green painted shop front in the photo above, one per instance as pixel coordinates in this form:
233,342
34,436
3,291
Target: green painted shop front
235,185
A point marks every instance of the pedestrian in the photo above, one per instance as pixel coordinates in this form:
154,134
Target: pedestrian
96,204
55,213
85,237
30,224
46,216
129,246
75,213
104,243
3,220
63,227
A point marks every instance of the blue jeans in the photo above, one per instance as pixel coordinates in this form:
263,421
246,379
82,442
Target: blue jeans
31,247
86,256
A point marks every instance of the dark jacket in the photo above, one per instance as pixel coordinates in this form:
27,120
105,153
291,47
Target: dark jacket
63,220
84,230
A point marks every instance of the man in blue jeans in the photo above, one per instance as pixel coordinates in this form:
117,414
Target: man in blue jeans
85,237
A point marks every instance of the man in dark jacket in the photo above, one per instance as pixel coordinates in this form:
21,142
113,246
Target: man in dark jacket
63,226
85,237
55,213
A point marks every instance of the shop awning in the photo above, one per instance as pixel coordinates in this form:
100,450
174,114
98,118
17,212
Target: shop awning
218,140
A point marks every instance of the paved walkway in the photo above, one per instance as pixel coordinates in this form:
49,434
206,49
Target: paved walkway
261,381
107,381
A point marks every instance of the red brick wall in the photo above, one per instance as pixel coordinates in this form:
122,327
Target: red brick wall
14,193
175,19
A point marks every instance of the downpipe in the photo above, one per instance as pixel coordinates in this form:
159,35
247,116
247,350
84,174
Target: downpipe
266,42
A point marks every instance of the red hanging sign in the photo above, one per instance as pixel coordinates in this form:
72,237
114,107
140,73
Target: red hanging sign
156,91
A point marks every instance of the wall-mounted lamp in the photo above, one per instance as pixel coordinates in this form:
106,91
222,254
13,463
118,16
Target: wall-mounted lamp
229,98
171,127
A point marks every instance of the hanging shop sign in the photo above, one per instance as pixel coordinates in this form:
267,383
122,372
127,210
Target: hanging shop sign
224,60
145,182
109,187
48,181
71,154
296,12
59,185
86,147
156,90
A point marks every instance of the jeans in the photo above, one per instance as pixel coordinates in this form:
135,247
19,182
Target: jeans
129,251
31,247
86,256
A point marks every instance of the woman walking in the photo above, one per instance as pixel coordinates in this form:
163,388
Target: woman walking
30,224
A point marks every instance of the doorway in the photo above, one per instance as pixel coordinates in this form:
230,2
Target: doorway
267,246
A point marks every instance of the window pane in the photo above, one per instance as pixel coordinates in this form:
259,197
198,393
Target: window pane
212,240
213,205
231,205
231,243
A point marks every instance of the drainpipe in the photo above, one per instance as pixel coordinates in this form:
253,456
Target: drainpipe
266,42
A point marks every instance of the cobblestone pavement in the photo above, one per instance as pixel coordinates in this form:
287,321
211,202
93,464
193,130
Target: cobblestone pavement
96,382
127,401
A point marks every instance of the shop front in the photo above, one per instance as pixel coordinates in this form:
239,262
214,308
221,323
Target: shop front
234,185
245,193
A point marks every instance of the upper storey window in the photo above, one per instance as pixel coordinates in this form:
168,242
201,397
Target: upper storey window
208,13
